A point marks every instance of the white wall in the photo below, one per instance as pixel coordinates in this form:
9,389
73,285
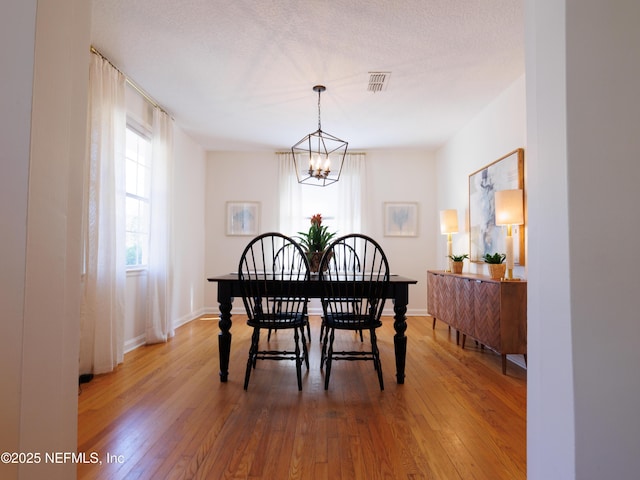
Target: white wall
189,188
550,393
235,176
584,384
497,130
604,196
44,102
405,176
18,24
392,176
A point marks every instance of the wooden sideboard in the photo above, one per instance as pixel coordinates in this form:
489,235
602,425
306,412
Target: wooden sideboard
491,311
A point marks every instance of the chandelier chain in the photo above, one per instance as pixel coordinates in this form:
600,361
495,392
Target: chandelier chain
319,125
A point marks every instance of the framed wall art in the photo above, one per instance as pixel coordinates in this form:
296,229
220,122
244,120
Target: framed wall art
506,173
400,219
243,218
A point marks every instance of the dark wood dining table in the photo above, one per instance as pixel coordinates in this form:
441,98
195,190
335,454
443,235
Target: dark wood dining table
397,291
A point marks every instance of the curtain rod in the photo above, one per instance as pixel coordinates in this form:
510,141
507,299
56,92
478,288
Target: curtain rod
348,153
144,94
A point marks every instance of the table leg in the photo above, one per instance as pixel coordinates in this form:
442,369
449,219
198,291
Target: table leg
400,340
224,337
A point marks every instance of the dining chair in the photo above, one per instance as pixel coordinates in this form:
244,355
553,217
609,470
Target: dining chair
282,258
353,297
350,258
273,293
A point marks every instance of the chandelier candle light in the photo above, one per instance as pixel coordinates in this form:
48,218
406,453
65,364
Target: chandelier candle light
509,211
449,225
313,154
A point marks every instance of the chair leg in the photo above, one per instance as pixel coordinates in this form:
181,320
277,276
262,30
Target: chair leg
376,357
304,336
306,313
322,330
257,344
327,373
269,336
323,355
361,338
251,361
296,337
305,350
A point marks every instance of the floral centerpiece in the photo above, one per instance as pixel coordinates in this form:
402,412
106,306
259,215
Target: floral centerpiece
315,241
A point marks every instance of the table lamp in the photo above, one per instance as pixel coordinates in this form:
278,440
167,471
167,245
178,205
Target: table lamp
509,211
449,225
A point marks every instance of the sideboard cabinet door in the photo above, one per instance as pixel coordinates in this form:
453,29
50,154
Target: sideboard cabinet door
441,298
448,312
487,313
464,295
433,294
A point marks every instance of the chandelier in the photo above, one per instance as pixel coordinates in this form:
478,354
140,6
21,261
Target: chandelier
319,156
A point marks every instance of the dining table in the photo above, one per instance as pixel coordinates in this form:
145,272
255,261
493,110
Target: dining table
229,287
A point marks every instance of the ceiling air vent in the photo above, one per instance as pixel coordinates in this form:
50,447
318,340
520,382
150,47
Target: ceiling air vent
378,81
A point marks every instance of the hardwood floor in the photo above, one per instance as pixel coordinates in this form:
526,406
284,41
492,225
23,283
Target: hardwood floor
165,414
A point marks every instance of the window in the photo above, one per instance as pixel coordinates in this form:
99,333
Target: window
323,200
138,187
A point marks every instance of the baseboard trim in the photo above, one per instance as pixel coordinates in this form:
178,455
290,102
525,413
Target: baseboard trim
134,343
189,317
518,360
140,340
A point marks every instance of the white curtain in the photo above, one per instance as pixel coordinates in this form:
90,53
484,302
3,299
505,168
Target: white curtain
351,194
290,195
158,324
102,310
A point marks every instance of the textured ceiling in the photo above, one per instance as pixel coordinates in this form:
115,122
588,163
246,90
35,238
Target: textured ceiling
238,75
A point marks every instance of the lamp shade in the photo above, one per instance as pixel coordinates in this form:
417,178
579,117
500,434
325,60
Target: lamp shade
448,221
509,207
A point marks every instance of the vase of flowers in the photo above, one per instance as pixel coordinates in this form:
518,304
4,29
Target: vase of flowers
315,241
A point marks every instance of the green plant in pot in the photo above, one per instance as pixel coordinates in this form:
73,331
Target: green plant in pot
315,241
496,265
457,262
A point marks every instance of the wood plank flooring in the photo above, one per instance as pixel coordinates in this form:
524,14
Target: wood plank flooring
165,414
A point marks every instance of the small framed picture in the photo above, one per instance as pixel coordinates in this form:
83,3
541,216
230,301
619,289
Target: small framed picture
400,219
243,218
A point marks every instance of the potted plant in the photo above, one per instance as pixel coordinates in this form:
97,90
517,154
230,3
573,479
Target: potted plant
315,241
496,267
457,262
